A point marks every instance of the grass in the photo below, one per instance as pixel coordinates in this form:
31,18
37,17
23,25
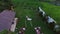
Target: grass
52,10
3,32
26,7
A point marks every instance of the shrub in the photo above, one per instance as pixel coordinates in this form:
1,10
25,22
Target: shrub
5,4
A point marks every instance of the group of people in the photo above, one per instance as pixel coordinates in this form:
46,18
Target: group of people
37,30
50,21
23,29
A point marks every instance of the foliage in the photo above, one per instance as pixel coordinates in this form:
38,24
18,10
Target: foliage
5,4
4,32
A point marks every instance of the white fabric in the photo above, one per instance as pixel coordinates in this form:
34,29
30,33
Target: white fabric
13,26
24,29
50,19
40,10
29,19
43,14
35,28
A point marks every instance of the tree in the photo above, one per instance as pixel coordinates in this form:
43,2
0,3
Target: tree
5,4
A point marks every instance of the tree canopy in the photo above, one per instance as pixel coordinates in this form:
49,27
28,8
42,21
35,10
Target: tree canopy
5,4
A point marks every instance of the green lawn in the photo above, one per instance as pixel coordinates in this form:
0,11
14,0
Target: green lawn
52,10
26,7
